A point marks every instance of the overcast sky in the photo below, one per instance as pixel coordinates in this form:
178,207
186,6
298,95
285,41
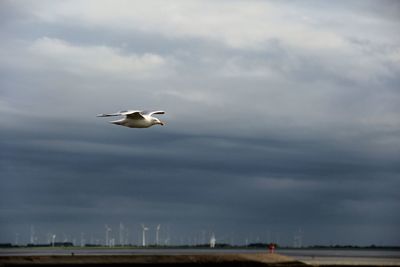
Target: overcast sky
280,116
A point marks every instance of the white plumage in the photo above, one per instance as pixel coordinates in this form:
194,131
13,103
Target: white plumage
135,118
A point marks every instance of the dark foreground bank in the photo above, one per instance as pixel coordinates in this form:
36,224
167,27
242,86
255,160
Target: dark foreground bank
232,260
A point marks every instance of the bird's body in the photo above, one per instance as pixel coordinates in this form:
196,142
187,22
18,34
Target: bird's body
135,118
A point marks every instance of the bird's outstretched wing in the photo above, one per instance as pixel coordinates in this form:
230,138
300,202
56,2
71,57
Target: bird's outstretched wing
133,114
150,113
109,115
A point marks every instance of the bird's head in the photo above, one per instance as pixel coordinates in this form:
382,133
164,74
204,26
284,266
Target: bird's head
157,121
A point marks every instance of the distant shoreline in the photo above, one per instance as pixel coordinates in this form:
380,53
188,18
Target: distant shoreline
59,256
218,246
249,260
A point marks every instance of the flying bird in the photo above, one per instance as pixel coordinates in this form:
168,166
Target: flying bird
135,118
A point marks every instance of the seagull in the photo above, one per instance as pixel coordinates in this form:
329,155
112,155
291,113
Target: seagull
135,118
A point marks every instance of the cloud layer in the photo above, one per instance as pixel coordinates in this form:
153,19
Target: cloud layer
280,116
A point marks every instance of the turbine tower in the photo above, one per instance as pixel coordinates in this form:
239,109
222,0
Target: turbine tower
49,236
32,239
16,239
144,234
127,236
112,242
83,241
212,241
108,230
65,238
298,239
53,238
157,232
121,234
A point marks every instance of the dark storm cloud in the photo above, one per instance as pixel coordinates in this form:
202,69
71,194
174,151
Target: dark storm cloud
70,176
268,128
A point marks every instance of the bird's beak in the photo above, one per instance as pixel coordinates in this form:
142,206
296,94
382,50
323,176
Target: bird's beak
161,123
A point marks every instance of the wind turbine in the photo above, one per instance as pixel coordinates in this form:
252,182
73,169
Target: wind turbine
48,236
213,240
53,238
127,236
157,231
16,239
144,234
298,239
32,238
83,241
108,230
112,242
65,238
121,234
